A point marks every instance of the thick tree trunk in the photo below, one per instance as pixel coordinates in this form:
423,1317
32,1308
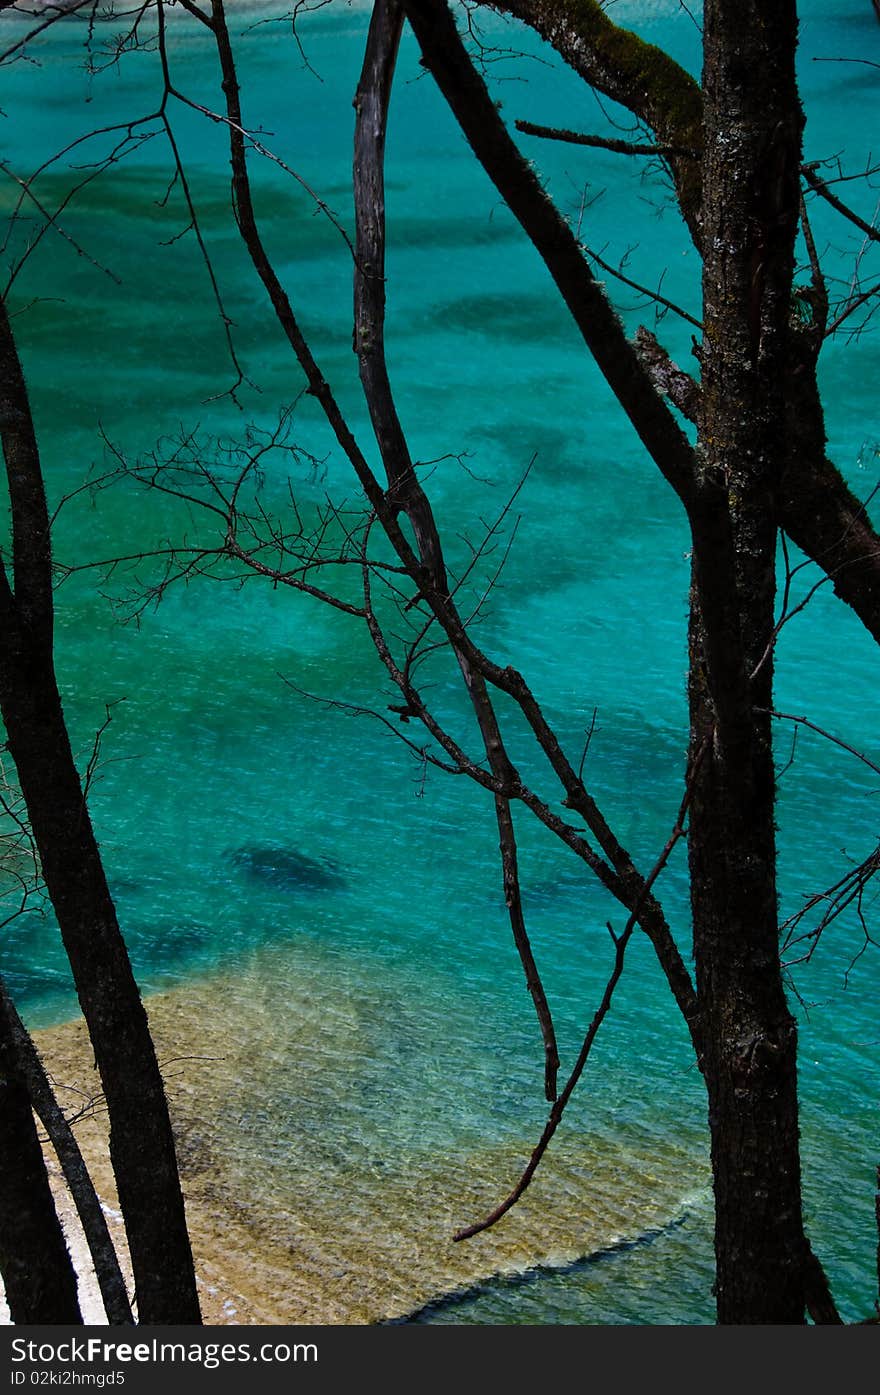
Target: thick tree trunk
141,1141
750,184
36,1267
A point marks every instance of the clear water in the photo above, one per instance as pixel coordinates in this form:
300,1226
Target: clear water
257,840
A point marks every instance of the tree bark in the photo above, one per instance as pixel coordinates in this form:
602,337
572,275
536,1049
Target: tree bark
815,505
34,1261
750,208
141,1140
104,1257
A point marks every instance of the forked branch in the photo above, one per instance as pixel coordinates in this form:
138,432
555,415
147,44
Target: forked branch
621,942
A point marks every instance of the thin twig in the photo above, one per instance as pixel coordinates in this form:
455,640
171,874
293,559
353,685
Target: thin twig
820,731
642,290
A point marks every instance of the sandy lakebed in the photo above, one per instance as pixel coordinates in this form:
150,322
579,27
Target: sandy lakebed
330,1228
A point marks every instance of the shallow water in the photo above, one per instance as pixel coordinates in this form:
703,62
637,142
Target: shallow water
329,914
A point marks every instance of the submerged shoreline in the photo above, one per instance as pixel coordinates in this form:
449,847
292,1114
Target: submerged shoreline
328,1229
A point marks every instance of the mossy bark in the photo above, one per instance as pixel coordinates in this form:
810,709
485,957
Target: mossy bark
640,76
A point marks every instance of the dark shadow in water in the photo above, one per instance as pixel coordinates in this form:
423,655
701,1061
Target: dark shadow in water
511,1283
288,870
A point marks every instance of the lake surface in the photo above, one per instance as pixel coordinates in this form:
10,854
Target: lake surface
285,855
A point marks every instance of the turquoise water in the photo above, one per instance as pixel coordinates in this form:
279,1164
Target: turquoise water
237,814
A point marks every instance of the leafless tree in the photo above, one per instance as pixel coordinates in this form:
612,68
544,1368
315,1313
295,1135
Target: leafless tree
755,470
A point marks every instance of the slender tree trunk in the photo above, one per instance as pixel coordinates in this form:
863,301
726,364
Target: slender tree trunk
141,1141
750,185
34,1261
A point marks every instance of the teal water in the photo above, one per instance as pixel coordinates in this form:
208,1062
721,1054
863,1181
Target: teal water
238,815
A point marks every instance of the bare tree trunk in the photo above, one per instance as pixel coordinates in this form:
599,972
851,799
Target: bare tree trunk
34,1261
141,1140
104,1257
750,185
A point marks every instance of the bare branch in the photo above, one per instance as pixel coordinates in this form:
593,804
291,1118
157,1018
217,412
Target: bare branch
50,221
620,946
195,224
820,187
851,307
643,78
371,103
622,876
260,149
61,12
820,731
617,147
819,298
668,378
446,58
849,890
649,294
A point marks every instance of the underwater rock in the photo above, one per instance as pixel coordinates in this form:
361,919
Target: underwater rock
288,870
548,890
167,944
